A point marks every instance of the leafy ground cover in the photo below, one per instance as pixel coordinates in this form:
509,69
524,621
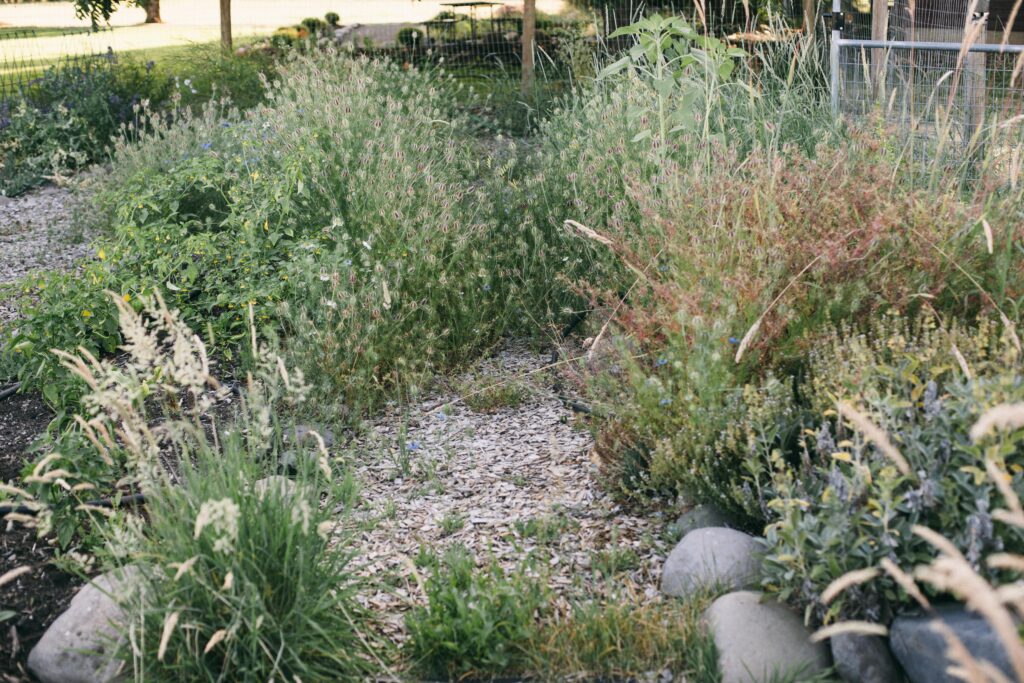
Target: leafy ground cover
790,318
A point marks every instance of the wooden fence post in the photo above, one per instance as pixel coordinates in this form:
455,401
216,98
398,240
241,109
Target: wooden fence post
529,35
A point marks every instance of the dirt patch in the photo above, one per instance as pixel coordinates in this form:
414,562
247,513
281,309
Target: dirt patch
39,596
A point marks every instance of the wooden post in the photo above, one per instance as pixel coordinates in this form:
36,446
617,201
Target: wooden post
529,37
879,31
810,18
225,25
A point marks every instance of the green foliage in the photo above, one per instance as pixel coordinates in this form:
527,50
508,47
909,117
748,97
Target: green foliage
476,622
487,394
837,503
278,601
546,530
314,25
332,19
410,36
66,118
343,197
625,637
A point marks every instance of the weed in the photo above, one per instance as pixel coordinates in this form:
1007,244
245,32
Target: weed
624,637
614,561
476,622
546,530
452,523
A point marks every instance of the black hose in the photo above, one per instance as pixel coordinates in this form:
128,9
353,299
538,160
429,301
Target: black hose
123,502
7,392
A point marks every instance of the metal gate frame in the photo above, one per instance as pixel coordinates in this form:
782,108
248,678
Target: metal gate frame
878,53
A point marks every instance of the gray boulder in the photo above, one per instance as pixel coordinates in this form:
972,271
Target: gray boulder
864,659
79,646
699,517
757,640
709,558
922,650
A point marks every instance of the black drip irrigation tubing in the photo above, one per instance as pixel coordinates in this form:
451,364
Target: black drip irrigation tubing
9,391
124,501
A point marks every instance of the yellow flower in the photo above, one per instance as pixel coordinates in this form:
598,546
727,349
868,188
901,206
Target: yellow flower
86,313
102,255
127,298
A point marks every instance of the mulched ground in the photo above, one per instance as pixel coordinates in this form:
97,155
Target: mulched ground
37,598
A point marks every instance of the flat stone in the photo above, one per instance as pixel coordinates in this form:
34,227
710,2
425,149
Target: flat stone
79,647
864,659
699,517
757,640
922,650
710,558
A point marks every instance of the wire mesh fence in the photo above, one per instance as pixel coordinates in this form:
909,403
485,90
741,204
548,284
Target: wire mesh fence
22,61
945,74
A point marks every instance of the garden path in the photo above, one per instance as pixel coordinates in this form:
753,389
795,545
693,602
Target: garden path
506,484
36,234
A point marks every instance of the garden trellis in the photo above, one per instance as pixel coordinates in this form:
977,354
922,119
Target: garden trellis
941,71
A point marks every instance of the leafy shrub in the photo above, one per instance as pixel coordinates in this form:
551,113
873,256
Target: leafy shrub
314,25
288,36
476,622
343,197
841,502
66,119
410,36
782,257
983,590
332,19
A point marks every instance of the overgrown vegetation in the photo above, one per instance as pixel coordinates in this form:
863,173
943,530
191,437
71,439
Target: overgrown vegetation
792,320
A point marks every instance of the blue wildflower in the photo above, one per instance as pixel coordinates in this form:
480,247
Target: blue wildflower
442,417
487,288
734,340
207,145
414,445
660,362
225,124
663,268
664,402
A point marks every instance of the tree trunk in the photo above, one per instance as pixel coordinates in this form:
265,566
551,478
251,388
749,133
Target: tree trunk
225,25
153,12
529,33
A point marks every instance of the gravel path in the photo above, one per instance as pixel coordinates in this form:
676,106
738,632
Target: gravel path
498,473
36,233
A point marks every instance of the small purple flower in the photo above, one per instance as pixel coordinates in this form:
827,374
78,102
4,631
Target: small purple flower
225,124
487,288
149,65
660,362
207,145
664,402
414,445
734,341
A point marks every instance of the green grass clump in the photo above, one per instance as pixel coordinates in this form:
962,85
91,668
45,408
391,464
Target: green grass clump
476,622
622,637
257,593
